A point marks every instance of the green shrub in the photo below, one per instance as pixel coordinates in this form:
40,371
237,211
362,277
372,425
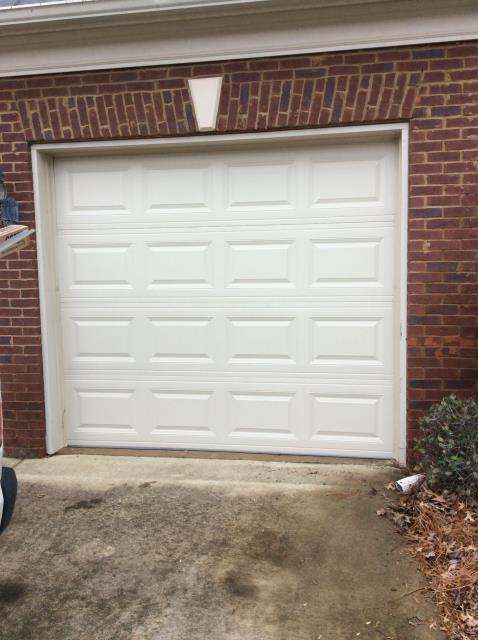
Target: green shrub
448,447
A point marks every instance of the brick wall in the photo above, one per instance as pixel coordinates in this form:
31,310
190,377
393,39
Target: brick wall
435,88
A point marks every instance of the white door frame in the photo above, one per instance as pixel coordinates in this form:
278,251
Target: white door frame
42,161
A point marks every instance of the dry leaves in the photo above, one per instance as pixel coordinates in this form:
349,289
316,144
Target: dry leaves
442,532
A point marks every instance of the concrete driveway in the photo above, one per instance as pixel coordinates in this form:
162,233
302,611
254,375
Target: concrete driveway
125,548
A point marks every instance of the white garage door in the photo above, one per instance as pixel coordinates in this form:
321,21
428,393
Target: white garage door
236,298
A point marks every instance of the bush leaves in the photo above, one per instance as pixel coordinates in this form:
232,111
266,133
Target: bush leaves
448,446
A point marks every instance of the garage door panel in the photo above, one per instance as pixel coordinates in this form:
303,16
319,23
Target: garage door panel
311,261
183,414
348,262
257,263
237,299
342,180
87,192
352,340
363,184
352,180
262,415
182,340
98,410
97,266
179,264
167,196
260,187
336,340
357,417
255,339
321,417
102,193
100,341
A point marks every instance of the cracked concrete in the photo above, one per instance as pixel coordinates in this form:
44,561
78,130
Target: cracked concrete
129,548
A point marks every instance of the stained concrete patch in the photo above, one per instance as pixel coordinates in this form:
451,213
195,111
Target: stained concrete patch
164,549
84,504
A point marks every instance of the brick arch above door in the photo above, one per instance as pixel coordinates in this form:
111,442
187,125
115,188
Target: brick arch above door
320,90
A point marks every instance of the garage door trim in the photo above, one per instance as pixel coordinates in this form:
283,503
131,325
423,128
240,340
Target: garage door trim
42,159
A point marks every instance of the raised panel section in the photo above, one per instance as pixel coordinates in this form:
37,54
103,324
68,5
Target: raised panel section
261,415
105,411
339,416
182,414
260,264
100,266
182,339
99,192
256,187
347,263
179,264
345,341
346,183
258,340
178,190
102,340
